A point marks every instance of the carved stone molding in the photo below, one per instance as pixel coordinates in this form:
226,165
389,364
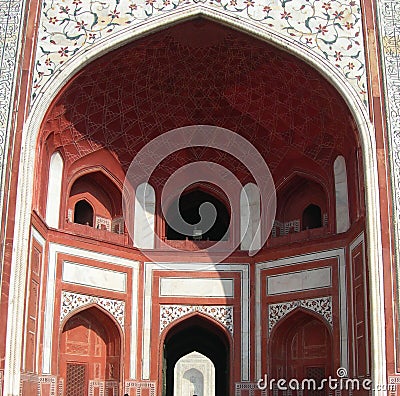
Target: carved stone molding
221,313
72,301
321,305
138,386
96,385
48,380
248,388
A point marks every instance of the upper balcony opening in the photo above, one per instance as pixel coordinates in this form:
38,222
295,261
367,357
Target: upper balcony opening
95,201
302,205
83,213
189,205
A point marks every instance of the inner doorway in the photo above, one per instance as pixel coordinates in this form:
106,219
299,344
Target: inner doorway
194,374
301,348
199,338
90,350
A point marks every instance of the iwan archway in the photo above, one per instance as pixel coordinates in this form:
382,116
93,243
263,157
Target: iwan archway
152,112
196,351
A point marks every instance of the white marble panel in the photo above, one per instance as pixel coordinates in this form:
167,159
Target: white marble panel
145,206
93,277
54,190
196,287
341,195
250,218
299,281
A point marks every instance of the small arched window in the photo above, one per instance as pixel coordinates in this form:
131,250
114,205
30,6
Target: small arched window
83,213
312,217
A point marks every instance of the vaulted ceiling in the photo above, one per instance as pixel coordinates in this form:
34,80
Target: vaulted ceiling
200,72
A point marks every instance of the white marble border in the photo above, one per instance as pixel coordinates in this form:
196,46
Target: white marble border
149,268
338,254
54,250
63,76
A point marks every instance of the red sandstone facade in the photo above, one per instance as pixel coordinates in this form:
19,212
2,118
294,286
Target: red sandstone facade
101,318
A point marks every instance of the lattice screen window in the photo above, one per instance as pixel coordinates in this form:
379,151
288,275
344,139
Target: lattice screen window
318,374
76,379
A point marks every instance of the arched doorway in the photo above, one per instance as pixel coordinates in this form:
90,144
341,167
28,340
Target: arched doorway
200,335
90,350
301,348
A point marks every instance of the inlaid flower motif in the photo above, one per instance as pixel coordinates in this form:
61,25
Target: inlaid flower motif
114,14
63,51
349,25
338,15
338,55
322,29
80,25
327,6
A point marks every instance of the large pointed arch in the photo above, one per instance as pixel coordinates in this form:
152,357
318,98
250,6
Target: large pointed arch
69,69
90,349
196,333
300,347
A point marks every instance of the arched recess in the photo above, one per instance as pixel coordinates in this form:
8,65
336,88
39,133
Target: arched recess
53,202
103,194
299,194
196,333
301,347
83,213
90,350
51,89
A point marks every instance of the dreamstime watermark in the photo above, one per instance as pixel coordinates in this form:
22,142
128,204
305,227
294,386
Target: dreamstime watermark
340,382
163,148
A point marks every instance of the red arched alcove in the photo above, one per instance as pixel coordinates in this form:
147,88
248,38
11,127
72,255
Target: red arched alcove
90,349
301,348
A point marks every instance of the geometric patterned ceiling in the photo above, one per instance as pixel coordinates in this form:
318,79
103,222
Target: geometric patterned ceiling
200,72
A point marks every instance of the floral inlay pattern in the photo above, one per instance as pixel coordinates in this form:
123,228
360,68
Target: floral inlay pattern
322,306
71,301
331,28
11,12
390,42
221,313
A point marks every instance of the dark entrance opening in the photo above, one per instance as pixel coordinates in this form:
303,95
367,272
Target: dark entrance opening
189,209
312,217
197,334
83,213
